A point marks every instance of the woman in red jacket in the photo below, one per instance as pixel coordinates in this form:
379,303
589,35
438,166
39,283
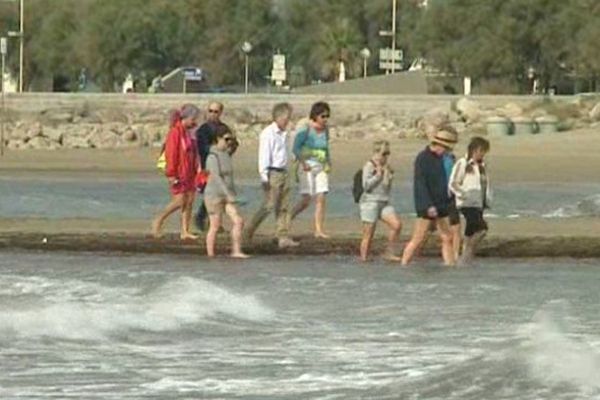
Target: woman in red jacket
182,166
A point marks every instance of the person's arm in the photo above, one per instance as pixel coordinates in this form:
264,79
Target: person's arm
328,151
172,153
299,141
457,177
371,177
422,196
264,156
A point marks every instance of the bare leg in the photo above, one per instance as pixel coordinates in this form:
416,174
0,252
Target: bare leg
418,237
175,204
320,216
367,238
211,235
470,246
301,206
395,226
446,238
186,216
455,232
236,231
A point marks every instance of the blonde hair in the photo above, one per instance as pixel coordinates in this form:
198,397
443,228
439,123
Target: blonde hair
381,146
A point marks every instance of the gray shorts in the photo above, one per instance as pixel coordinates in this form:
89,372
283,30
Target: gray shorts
371,211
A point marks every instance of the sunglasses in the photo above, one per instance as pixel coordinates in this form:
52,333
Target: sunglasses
324,115
387,153
214,111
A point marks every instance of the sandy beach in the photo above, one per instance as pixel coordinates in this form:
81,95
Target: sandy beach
556,159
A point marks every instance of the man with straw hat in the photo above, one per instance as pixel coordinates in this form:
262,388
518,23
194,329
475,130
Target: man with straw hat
431,196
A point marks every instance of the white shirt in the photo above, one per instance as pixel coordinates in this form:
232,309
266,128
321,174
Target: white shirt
272,150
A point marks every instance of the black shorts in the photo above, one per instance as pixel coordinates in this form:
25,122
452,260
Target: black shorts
453,214
474,219
441,213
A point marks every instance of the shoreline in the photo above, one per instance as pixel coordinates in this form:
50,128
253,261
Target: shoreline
137,243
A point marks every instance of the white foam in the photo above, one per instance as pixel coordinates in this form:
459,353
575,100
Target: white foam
557,358
101,312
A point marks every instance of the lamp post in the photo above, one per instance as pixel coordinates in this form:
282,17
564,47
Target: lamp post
365,53
3,50
391,33
20,35
246,48
393,36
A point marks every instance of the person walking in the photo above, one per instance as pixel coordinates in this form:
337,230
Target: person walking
182,166
375,201
273,162
220,194
311,149
204,138
431,197
470,184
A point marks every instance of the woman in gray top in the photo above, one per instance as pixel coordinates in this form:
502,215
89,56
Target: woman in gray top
220,195
375,201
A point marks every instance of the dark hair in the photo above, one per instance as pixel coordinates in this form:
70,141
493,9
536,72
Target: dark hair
317,109
220,131
476,143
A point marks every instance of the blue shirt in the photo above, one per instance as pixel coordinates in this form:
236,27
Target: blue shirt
308,139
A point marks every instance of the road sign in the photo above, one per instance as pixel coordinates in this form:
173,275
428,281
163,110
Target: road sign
3,46
385,59
278,73
386,54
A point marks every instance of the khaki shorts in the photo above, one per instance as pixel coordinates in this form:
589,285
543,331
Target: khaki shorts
371,211
215,206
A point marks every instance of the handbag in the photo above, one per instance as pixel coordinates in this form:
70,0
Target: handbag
161,162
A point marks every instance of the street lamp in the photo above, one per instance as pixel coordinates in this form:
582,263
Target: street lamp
20,34
3,51
365,54
392,33
246,48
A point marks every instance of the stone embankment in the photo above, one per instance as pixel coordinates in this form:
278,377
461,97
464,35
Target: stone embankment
112,121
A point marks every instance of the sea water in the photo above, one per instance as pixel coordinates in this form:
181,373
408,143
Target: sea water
141,198
90,326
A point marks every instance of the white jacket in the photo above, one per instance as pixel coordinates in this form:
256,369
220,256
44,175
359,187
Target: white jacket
467,186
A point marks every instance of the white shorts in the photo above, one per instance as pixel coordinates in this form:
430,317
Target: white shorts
315,181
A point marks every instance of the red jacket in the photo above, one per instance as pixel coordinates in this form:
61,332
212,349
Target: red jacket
181,154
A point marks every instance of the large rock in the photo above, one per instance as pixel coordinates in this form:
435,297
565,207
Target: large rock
53,134
104,139
595,113
41,143
16,144
469,110
511,110
431,122
76,142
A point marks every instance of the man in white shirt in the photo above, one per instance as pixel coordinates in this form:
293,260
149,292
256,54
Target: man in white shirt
273,157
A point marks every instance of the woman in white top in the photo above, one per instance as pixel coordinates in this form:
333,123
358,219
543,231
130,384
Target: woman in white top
470,184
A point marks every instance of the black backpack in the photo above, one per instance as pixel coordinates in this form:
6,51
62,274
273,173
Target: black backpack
357,185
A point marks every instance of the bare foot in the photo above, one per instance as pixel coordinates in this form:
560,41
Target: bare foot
188,236
156,229
322,235
392,257
239,255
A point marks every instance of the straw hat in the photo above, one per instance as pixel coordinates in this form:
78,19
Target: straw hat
445,138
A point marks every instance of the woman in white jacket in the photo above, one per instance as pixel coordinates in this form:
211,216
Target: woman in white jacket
470,184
